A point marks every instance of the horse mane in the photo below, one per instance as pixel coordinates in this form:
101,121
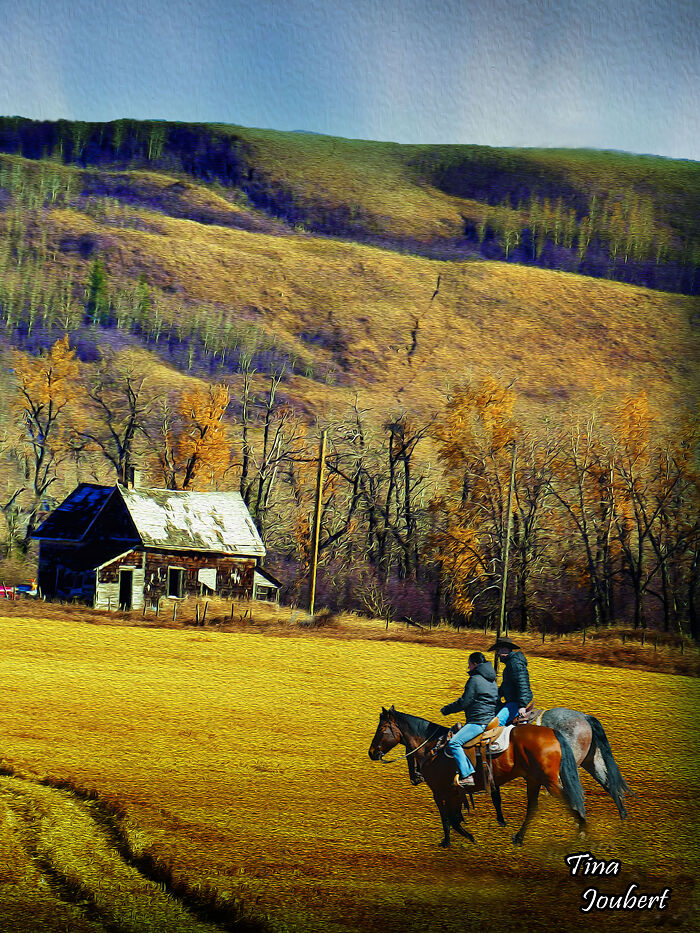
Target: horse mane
421,727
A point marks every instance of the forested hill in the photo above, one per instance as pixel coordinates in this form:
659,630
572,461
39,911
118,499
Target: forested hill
613,215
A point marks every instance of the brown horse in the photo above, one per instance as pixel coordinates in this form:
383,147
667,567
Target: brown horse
589,743
540,755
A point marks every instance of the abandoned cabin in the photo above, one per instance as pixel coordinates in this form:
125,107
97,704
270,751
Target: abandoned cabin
129,546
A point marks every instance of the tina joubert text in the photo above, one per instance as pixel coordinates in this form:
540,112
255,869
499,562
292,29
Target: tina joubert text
583,863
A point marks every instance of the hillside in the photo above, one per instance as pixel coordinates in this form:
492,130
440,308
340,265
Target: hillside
353,318
606,214
170,270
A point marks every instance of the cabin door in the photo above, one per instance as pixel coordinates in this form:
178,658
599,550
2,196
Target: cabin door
126,589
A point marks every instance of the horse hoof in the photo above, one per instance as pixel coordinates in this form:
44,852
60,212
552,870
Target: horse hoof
501,822
444,844
516,840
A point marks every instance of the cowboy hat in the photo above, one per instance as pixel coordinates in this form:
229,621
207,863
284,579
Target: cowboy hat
504,643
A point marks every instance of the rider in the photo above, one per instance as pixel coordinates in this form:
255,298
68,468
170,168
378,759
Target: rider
515,690
478,702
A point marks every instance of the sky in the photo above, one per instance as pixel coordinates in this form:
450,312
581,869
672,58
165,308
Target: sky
607,74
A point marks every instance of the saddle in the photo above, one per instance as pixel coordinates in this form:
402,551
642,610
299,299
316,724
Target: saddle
529,716
491,732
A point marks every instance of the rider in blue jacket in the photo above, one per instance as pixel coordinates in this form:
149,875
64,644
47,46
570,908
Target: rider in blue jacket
478,702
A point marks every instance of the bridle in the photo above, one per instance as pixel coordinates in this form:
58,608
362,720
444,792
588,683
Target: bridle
390,761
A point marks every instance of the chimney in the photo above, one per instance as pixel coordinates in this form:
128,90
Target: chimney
132,477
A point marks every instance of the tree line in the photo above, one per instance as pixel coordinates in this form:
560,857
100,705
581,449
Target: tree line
605,516
616,237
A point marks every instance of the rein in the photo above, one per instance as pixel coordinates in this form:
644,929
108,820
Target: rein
390,761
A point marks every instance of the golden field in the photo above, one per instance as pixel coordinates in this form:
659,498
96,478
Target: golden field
235,765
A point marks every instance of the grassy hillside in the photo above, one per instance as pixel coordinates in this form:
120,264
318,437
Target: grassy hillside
628,217
167,246
206,785
347,317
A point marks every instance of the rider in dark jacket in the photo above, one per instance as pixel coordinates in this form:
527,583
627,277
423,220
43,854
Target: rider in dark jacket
515,690
478,702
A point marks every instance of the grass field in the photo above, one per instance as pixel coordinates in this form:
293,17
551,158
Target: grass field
233,770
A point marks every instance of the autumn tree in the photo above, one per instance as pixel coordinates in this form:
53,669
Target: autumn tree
583,482
47,406
474,438
193,450
657,505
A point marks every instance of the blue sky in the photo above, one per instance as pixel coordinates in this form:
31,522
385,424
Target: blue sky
620,74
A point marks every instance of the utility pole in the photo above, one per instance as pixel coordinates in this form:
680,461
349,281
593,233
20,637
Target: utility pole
317,521
506,549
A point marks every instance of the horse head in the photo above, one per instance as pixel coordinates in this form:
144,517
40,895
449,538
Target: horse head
387,736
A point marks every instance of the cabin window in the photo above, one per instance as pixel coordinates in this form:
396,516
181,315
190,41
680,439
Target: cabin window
176,580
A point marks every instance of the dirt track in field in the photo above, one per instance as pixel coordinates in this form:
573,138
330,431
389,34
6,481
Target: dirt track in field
71,850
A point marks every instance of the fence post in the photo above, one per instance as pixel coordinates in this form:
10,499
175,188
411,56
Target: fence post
174,611
204,614
196,614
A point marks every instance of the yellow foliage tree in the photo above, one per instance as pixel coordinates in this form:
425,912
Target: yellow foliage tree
194,450
474,439
48,410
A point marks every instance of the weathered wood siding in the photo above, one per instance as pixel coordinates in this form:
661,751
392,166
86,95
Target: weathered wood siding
107,594
234,575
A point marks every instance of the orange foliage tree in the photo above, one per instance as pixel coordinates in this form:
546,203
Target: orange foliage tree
583,484
194,450
656,508
474,440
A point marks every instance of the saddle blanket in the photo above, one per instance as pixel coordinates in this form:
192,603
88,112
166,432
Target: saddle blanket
502,742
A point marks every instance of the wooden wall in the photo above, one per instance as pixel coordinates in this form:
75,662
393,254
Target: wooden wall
234,577
107,592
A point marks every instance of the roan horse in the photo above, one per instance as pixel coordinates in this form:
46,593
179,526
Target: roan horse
538,754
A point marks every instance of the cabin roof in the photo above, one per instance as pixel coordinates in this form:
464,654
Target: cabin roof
72,518
201,521
163,518
265,578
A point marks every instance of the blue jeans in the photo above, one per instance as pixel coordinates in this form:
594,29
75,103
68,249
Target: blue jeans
455,750
507,713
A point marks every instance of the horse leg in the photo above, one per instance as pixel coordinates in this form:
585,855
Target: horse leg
533,790
454,813
496,798
445,817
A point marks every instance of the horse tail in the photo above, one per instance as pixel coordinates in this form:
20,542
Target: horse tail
568,775
617,785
